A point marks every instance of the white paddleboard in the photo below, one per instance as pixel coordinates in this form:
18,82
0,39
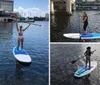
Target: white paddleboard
82,36
21,55
85,71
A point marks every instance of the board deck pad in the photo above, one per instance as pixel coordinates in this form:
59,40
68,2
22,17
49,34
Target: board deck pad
82,36
82,71
21,55
20,51
87,35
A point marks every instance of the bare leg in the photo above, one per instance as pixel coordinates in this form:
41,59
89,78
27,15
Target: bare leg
18,43
22,41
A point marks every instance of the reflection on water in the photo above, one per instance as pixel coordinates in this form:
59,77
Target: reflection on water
61,23
62,71
35,43
6,30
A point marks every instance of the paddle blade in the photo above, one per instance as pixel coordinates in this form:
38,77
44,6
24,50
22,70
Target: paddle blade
73,61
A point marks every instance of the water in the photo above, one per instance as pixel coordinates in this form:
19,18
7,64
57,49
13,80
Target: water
35,43
62,71
61,23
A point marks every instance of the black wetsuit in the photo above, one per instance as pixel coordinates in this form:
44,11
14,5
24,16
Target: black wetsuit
88,55
85,23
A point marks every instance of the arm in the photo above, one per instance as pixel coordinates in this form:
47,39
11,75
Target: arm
81,14
26,27
17,26
93,51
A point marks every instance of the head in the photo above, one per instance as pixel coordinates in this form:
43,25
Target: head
88,48
20,27
85,14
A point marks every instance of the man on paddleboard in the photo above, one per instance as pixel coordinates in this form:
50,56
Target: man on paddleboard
88,55
20,31
85,21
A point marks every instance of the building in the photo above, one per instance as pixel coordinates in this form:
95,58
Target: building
6,5
87,1
78,1
47,16
6,10
87,4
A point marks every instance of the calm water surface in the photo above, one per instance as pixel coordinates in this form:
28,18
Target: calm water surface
61,23
62,71
35,43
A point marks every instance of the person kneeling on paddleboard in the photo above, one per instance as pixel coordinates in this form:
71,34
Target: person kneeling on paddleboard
88,55
85,21
20,35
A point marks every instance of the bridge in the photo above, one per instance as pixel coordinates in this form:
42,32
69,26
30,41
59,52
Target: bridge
68,5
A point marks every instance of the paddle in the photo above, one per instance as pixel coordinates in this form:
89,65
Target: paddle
33,24
79,22
74,61
37,25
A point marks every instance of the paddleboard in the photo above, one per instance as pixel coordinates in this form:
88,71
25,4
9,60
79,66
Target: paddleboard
82,71
82,36
21,55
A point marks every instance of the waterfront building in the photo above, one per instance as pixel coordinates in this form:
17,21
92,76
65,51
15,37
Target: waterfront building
6,5
88,5
47,16
6,10
78,1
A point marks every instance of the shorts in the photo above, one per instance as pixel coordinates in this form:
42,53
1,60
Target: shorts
87,58
85,26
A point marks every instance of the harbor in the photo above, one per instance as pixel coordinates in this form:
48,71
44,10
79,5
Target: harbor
62,70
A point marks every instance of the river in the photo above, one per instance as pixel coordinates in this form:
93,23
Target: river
62,23
62,70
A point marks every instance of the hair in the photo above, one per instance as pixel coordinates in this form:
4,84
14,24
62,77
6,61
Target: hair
88,48
85,14
21,26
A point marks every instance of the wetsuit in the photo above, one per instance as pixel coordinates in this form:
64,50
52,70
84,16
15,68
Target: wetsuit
88,55
85,23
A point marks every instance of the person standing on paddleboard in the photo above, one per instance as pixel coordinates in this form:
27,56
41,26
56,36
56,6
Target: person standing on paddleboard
88,56
20,35
85,21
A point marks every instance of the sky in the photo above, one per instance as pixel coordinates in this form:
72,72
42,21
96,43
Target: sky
31,7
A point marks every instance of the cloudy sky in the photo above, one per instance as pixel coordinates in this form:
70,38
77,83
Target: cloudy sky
31,7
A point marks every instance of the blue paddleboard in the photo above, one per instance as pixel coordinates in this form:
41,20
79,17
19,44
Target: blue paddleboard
21,55
90,36
82,36
82,71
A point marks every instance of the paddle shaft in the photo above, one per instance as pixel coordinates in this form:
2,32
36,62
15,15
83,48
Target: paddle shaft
36,24
33,24
79,22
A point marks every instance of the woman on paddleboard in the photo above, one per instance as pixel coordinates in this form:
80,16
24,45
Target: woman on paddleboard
88,55
85,21
20,35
